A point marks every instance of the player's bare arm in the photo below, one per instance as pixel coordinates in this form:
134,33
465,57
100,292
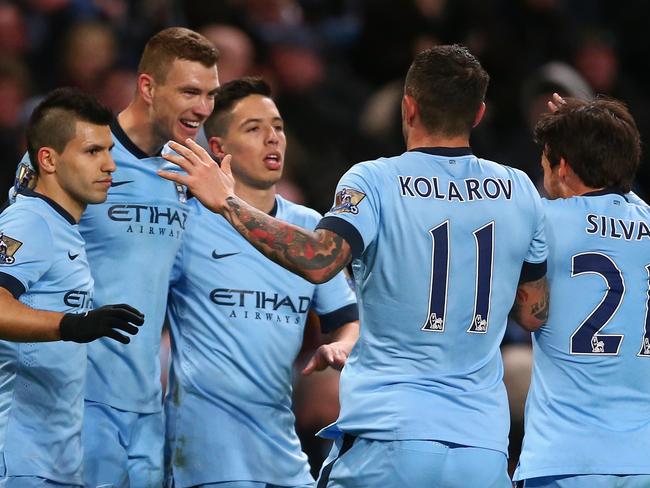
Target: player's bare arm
315,255
336,352
20,323
530,309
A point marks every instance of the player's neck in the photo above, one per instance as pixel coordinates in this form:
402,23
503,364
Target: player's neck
579,190
52,190
574,187
421,138
263,200
134,121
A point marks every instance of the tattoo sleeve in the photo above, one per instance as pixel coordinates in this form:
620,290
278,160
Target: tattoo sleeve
531,304
315,255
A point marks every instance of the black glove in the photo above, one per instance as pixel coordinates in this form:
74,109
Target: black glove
86,327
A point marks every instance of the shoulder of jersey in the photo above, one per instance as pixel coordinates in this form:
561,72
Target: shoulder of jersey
29,212
295,212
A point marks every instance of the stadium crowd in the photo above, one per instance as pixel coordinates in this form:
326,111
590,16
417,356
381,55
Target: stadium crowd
336,66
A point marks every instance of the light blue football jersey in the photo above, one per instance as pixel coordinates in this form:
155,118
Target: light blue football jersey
131,240
588,408
43,264
237,322
439,237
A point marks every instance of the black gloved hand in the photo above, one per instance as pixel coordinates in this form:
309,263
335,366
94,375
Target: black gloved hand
103,322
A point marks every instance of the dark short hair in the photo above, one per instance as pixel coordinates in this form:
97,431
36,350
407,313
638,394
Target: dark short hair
53,121
227,96
175,43
448,85
598,139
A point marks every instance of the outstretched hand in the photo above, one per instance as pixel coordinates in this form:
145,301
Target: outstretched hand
334,354
208,182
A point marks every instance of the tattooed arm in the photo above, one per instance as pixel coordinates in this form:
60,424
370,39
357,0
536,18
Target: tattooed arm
315,255
530,309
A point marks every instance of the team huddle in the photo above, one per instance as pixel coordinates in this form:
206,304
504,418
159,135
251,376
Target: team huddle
108,233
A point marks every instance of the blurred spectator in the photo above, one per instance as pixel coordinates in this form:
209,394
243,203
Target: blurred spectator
320,103
598,60
14,90
13,31
89,52
388,30
236,48
517,148
117,88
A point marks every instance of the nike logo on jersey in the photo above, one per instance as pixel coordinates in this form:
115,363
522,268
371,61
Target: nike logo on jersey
215,255
120,183
72,256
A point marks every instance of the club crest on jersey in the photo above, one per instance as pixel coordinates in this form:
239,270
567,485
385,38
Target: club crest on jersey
347,201
8,247
25,177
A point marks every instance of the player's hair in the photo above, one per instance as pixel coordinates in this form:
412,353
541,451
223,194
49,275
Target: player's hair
175,43
227,96
53,121
598,139
448,85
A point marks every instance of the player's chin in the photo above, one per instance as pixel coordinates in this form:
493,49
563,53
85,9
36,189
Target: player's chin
98,196
184,132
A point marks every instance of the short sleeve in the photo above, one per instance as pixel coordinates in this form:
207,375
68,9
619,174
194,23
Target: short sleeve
335,303
538,250
355,213
25,250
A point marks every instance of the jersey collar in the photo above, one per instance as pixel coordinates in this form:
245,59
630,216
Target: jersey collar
605,191
130,146
445,151
55,206
274,210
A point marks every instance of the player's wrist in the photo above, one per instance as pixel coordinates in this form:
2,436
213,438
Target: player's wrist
70,326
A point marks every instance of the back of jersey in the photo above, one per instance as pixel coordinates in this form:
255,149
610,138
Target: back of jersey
588,409
444,236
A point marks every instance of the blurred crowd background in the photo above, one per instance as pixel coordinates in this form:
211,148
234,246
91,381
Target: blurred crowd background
336,68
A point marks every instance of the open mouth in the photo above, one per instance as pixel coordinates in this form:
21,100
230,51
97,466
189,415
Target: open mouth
273,161
191,124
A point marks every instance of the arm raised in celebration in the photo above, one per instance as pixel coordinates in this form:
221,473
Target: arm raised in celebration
315,255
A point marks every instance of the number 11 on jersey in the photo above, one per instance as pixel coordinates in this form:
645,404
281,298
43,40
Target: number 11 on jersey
438,289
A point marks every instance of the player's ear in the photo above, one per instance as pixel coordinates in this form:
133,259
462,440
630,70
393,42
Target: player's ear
563,169
216,147
47,158
409,109
479,115
146,87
